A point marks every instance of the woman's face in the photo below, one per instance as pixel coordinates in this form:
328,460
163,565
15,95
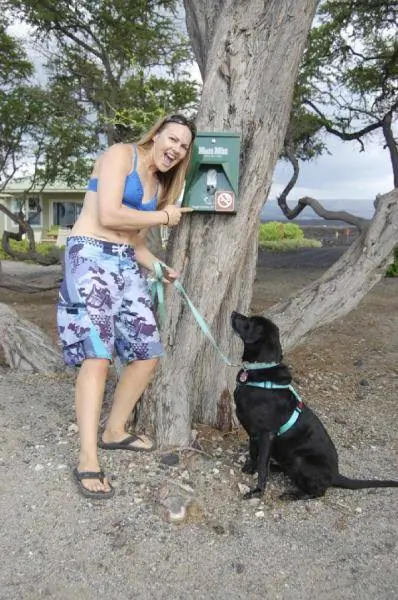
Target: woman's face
170,146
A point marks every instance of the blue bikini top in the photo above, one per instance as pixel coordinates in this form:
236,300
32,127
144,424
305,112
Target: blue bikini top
133,190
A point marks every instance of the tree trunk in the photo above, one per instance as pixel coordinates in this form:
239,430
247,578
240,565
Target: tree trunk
25,346
341,288
248,53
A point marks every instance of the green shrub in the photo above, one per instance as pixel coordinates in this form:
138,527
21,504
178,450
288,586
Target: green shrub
392,270
22,246
284,236
274,231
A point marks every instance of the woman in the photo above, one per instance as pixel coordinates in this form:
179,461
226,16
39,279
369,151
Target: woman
104,306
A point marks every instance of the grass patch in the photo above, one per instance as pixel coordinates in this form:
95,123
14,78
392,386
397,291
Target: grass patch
22,246
284,245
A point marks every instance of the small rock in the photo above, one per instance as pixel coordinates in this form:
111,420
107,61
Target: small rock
73,428
170,459
259,514
239,567
243,488
39,467
364,382
254,501
219,529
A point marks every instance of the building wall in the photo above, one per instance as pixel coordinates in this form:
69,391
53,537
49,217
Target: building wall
48,202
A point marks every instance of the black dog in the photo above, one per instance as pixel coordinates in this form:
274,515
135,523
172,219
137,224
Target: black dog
280,426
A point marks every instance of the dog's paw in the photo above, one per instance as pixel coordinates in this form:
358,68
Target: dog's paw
254,493
249,468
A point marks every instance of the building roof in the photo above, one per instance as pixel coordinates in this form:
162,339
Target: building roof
23,183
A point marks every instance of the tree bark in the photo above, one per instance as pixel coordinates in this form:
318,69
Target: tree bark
25,346
249,54
341,287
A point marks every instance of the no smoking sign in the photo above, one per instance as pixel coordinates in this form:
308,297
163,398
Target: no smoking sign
225,201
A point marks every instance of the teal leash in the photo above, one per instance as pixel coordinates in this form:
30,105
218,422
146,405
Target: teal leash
158,294
202,323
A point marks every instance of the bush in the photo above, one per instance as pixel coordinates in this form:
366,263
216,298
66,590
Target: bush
284,236
22,246
274,231
392,270
53,230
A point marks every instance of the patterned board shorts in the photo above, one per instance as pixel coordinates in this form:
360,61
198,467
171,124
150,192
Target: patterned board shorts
104,304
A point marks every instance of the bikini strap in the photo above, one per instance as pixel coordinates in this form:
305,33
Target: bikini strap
135,157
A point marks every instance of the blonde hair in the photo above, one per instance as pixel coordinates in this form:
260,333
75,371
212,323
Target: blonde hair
172,181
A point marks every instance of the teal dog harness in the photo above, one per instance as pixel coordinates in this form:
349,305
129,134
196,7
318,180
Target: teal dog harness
270,385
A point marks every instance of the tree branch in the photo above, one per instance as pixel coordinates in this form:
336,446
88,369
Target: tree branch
391,145
355,135
333,215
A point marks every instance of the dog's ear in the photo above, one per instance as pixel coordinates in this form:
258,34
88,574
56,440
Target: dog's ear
274,343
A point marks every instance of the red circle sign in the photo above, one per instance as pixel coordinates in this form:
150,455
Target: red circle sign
225,201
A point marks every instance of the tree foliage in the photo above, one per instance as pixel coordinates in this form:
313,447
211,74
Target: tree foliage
42,129
110,69
124,63
347,85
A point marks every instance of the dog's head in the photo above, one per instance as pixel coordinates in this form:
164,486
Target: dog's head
260,337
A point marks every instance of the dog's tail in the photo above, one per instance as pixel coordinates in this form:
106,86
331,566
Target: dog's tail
358,484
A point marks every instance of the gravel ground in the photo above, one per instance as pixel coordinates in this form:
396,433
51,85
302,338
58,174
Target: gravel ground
59,545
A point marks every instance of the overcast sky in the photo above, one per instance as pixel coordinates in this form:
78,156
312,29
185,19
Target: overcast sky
346,173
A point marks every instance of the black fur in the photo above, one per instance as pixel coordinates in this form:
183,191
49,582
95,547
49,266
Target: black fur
305,452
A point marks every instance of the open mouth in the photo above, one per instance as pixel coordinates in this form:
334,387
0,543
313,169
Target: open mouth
168,159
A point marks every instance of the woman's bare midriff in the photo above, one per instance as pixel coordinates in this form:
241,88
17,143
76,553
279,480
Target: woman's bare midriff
88,224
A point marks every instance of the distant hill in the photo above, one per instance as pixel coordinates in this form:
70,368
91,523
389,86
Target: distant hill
360,208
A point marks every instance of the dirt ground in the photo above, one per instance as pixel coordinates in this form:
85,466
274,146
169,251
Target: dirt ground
344,546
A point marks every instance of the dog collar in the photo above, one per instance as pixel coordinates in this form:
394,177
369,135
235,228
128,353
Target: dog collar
256,366
270,385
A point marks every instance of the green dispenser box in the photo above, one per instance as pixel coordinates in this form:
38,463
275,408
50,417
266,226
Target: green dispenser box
213,176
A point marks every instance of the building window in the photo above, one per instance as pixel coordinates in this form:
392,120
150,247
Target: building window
66,213
29,208
33,206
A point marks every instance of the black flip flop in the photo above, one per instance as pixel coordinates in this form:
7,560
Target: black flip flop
79,477
126,444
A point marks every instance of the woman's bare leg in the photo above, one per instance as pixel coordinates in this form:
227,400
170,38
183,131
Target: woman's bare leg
131,385
90,387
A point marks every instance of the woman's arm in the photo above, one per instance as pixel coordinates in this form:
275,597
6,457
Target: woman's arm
114,166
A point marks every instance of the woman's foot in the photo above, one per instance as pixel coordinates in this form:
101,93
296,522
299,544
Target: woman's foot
124,441
91,480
